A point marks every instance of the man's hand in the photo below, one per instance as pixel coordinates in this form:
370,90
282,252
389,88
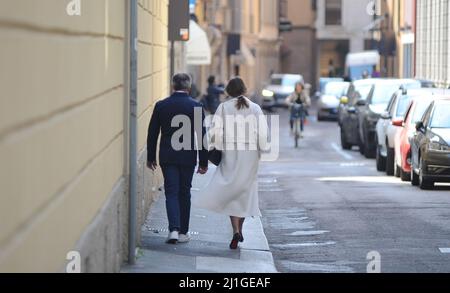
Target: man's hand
202,170
152,165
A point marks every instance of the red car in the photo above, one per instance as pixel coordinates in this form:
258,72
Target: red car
415,112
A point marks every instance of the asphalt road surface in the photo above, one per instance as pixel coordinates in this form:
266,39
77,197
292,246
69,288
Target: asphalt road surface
326,209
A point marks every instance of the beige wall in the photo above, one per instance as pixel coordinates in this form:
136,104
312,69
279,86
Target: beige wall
300,12
298,54
63,119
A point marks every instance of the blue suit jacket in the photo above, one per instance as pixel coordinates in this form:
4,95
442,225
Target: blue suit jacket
161,122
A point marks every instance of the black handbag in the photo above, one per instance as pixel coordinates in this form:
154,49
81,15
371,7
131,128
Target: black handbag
215,156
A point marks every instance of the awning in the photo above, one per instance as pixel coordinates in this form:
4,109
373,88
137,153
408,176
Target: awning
198,48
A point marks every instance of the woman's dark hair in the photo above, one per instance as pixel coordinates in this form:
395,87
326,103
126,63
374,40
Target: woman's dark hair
236,88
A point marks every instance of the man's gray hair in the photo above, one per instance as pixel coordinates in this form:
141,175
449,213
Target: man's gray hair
181,82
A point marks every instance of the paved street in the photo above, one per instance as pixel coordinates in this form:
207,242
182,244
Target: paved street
325,210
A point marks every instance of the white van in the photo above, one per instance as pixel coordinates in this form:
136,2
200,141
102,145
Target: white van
359,64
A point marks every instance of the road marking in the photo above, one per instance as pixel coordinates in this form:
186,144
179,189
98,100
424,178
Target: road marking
316,267
364,179
271,190
445,250
267,180
308,233
307,244
352,165
341,152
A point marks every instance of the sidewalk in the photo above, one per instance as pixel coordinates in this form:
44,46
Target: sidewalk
208,251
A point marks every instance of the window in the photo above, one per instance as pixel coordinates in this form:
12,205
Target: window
392,102
402,106
361,93
333,12
441,119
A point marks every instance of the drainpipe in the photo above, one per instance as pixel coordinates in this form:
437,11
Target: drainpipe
133,133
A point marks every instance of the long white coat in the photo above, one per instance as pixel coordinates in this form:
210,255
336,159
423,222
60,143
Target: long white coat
241,135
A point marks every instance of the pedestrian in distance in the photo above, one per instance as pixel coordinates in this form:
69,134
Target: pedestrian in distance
233,190
178,166
213,95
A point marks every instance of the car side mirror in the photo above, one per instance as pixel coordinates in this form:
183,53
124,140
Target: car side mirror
385,115
420,126
344,100
361,103
397,122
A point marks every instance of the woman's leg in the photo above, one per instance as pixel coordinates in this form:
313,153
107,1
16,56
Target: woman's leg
241,225
302,122
236,224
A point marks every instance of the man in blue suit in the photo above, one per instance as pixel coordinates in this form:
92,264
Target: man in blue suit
178,163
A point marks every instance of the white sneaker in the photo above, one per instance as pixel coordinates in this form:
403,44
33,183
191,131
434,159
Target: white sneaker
173,238
184,238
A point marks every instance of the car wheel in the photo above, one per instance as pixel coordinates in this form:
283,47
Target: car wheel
362,148
405,176
390,162
414,178
344,143
319,118
369,152
397,171
381,161
424,183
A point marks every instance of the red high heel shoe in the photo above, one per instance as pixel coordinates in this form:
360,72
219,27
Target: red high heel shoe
234,243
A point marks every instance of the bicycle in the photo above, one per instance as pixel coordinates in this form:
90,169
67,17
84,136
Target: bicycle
298,115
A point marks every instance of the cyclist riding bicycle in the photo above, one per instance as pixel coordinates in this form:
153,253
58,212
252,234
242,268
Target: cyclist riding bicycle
298,103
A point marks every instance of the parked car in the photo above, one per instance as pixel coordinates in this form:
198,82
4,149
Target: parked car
347,113
280,87
430,146
388,127
427,83
328,104
369,110
323,81
414,114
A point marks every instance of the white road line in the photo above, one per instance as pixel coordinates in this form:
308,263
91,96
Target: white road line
341,152
444,250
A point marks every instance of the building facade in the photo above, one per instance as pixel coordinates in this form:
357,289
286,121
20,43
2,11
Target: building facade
298,52
244,40
433,46
395,36
339,32
64,129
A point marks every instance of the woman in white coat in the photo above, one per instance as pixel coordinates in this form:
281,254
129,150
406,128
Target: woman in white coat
239,130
